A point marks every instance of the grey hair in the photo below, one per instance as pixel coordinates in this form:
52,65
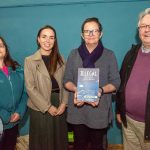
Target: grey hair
142,14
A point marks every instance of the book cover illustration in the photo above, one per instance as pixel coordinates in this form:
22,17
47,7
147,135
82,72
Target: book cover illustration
88,84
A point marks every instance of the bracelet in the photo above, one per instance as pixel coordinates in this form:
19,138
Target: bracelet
102,91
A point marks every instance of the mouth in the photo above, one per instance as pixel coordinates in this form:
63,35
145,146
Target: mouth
147,35
47,45
91,38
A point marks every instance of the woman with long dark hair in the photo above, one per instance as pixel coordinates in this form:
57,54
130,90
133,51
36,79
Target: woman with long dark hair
44,72
12,97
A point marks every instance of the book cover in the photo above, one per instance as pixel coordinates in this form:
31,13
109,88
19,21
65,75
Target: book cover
88,84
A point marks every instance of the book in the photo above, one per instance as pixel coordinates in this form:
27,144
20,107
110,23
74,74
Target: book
88,84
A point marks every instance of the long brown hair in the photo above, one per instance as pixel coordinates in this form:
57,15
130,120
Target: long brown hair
55,57
8,61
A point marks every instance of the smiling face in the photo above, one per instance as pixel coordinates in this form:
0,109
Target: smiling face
46,40
144,30
2,50
91,33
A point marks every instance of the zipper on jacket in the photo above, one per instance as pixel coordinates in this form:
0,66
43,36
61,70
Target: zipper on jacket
12,92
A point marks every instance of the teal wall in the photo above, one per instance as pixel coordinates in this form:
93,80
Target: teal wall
20,21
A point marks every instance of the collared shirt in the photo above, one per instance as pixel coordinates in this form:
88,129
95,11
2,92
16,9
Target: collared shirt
145,50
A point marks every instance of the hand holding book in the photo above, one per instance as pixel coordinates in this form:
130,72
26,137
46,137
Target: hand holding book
81,102
76,101
100,92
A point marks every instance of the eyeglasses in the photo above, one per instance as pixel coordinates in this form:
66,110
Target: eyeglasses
144,26
91,32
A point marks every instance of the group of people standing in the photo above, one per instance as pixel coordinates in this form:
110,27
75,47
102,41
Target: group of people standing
51,87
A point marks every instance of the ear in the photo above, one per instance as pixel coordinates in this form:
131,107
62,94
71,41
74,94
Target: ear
101,34
38,39
82,36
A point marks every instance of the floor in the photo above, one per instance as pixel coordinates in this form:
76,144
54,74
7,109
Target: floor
115,147
110,147
23,143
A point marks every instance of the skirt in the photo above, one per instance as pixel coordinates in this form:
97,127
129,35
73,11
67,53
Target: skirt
48,132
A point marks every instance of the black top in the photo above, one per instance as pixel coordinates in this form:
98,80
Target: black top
55,86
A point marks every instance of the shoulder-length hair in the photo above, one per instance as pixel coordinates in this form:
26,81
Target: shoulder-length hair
55,57
8,61
93,19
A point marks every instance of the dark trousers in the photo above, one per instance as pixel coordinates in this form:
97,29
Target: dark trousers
86,138
9,138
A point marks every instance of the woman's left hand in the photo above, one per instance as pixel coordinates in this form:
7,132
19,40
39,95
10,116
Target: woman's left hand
94,104
14,117
61,109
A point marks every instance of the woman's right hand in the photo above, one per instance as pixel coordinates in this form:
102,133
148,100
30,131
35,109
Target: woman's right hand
76,101
53,110
14,117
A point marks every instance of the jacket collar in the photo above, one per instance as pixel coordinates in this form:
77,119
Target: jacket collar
37,55
40,64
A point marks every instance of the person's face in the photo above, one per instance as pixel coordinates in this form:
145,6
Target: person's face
91,33
144,31
46,40
2,50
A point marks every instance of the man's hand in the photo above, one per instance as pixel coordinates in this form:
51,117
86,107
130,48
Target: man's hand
118,118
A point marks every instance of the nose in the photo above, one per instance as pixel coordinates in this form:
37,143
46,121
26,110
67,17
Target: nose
48,39
91,33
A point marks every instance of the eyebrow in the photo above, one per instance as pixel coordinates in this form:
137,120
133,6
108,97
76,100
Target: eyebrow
47,35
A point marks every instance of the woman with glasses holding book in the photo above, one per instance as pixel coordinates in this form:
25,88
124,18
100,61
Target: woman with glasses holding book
90,120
